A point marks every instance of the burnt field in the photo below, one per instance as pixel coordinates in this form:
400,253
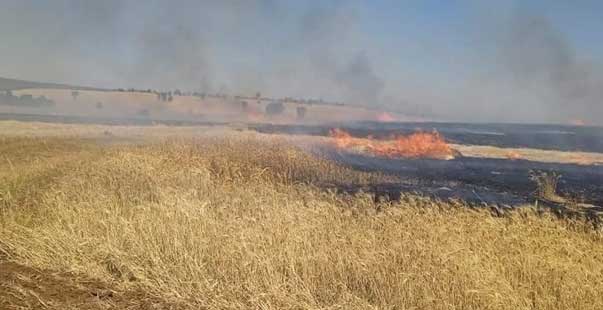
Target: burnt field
477,180
492,181
546,137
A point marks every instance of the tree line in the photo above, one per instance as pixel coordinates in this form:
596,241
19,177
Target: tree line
8,98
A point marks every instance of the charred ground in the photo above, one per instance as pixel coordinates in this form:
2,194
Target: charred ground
547,137
478,180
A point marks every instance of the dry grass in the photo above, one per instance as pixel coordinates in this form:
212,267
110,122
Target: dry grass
130,104
546,183
235,223
545,156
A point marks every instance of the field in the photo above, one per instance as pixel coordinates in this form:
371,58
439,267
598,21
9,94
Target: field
128,106
113,217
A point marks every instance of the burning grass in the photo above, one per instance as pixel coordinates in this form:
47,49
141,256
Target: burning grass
513,155
385,117
235,222
416,145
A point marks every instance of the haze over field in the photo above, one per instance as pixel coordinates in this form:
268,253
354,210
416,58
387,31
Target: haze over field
264,154
515,62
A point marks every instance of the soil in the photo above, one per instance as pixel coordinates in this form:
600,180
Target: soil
23,287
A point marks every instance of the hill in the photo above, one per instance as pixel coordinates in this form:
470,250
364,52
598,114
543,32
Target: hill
13,84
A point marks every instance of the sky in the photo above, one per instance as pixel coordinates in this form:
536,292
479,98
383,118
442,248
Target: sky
506,61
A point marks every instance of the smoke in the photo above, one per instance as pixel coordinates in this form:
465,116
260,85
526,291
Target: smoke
494,67
171,57
240,46
360,81
158,44
535,52
521,66
330,39
542,61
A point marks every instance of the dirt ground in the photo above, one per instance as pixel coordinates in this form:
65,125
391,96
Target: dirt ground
23,287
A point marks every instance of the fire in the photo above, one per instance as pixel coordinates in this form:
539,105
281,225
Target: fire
253,115
513,155
416,145
385,117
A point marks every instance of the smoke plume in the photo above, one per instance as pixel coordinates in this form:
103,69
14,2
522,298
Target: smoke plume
517,67
541,60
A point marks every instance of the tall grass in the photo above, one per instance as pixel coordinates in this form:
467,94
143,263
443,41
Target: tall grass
238,223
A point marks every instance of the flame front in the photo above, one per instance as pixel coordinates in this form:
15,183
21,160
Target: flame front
416,145
513,155
577,122
385,117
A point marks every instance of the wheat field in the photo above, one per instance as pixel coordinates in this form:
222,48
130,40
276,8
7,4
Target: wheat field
238,221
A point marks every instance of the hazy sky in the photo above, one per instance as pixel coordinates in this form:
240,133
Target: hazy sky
538,61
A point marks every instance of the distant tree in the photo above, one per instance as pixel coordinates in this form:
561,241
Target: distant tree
170,98
99,105
275,108
301,113
75,94
244,105
43,101
177,92
258,95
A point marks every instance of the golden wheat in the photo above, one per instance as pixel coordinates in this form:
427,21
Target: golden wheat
238,222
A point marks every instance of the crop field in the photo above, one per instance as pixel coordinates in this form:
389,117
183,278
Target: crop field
118,217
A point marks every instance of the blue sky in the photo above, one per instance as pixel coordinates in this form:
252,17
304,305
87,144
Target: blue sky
445,56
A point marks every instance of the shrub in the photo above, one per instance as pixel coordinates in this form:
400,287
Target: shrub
275,108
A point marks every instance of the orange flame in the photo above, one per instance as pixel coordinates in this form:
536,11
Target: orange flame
513,155
416,145
577,122
385,117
